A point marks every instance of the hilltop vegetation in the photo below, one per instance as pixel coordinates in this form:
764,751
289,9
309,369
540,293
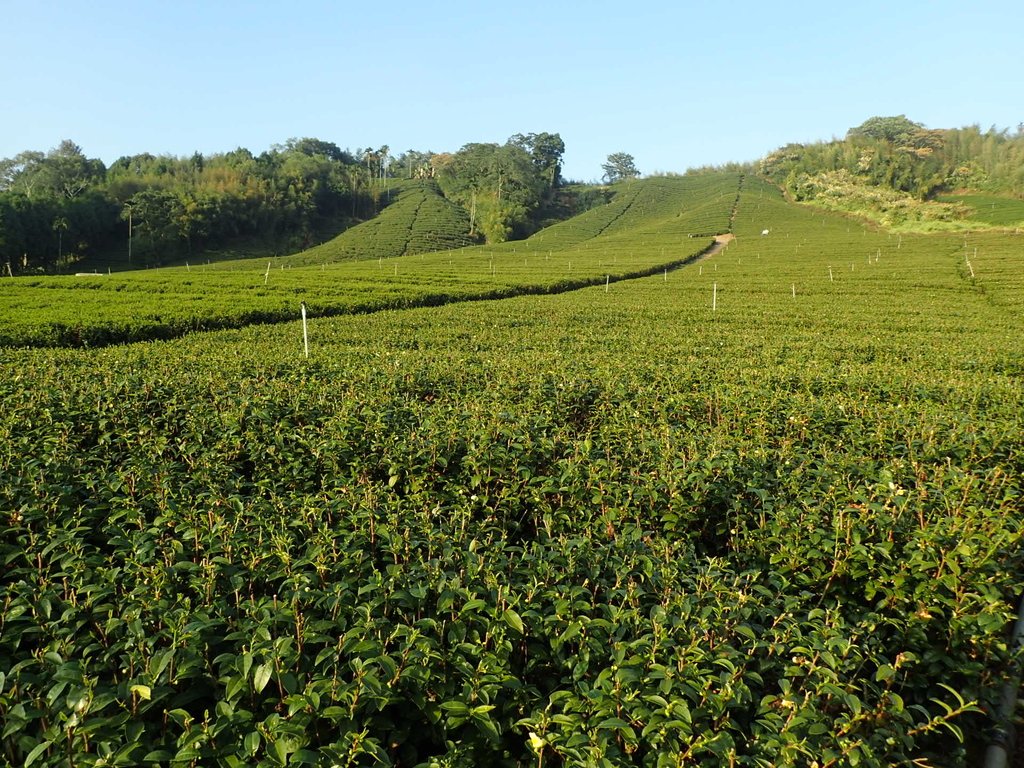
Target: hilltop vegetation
61,207
64,211
892,169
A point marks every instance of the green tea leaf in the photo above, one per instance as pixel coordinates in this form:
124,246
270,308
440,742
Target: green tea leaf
513,619
262,676
36,753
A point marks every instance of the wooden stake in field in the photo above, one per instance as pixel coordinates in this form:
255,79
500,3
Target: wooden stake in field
714,297
794,290
267,276
970,268
305,335
830,278
607,280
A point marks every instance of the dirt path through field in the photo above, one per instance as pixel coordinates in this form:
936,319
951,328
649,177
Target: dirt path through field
720,242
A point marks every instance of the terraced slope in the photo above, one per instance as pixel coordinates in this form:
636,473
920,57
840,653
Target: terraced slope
420,220
991,209
666,207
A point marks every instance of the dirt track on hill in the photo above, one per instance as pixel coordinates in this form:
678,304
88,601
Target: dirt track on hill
721,241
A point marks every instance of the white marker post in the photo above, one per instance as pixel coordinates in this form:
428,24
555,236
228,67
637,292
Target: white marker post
830,278
714,297
305,335
267,276
607,279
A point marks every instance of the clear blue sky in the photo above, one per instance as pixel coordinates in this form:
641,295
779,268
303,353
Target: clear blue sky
675,84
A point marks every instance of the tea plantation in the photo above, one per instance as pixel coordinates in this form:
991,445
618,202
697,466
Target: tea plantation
420,220
670,225
760,510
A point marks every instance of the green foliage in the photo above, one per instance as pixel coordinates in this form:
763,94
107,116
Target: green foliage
899,130
669,216
991,209
63,172
897,154
658,211
419,220
619,166
602,528
546,150
501,185
840,191
180,206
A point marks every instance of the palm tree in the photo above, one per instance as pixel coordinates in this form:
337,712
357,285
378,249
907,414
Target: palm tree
60,226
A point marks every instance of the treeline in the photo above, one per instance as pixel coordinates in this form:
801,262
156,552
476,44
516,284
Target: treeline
58,207
61,206
900,154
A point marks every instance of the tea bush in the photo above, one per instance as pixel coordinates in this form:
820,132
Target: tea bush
608,528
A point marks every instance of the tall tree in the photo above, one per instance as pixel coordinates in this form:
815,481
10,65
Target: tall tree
498,184
546,150
22,173
618,167
68,171
60,226
895,130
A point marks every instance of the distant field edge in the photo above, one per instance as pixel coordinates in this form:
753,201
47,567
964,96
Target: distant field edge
80,336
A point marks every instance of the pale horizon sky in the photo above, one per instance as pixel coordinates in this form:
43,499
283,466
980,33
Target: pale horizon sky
675,84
